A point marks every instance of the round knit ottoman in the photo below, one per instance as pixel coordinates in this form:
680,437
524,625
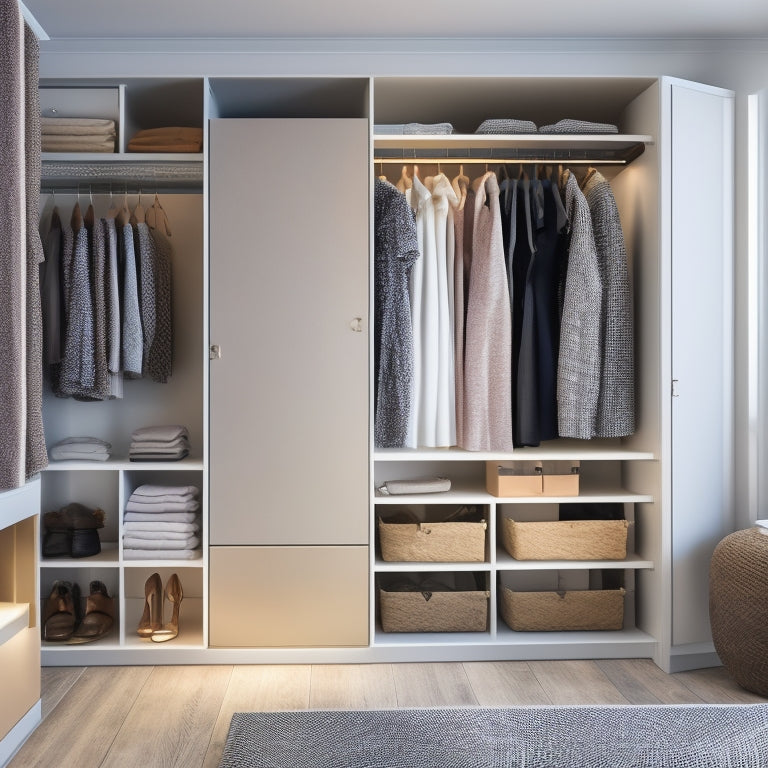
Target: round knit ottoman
738,607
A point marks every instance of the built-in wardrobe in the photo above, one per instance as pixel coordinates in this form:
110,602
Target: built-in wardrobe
273,368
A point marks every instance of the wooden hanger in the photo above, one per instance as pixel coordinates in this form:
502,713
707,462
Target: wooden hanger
157,218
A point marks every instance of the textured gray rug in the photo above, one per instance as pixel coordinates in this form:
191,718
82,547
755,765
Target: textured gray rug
519,737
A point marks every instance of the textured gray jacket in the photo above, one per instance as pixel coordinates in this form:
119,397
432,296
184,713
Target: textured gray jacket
616,402
579,365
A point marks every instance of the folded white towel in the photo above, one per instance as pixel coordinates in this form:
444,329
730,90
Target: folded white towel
166,432
166,517
59,454
162,554
166,490
83,443
148,445
188,543
159,535
153,527
159,507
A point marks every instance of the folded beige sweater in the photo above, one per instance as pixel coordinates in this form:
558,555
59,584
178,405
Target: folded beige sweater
77,126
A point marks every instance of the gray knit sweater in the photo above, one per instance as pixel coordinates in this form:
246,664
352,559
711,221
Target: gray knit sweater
396,248
616,402
578,373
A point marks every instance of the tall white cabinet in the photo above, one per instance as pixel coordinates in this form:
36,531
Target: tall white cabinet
282,356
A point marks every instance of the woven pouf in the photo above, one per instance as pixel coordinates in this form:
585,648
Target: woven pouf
738,607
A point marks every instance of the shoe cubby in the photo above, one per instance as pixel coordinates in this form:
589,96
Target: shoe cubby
82,575
190,609
96,489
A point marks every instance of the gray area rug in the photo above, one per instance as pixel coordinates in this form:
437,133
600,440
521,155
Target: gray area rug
684,736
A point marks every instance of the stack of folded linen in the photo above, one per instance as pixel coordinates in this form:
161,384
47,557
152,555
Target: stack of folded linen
161,443
171,139
77,134
161,522
80,449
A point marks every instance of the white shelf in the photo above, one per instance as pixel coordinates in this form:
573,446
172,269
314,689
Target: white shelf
196,563
593,450
114,464
382,566
505,562
109,556
14,617
467,493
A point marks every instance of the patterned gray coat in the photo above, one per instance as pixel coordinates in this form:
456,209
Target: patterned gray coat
616,402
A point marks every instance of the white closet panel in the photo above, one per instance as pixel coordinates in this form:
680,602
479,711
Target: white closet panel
289,287
702,347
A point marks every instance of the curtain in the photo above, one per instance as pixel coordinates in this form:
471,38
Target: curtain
22,444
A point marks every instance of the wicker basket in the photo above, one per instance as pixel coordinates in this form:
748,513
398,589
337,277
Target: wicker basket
592,609
434,611
432,542
565,539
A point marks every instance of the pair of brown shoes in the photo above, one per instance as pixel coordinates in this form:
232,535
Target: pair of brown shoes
63,620
151,623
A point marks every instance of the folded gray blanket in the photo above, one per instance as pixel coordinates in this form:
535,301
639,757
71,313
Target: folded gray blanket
167,517
413,128
162,554
578,126
158,536
162,506
162,445
177,456
166,490
507,126
153,527
190,542
61,454
165,433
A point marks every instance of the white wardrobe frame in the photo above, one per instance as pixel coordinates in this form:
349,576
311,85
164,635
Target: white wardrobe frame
642,464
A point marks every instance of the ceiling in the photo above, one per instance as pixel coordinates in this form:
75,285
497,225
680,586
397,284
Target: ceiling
153,19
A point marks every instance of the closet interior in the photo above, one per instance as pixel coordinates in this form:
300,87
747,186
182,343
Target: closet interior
274,376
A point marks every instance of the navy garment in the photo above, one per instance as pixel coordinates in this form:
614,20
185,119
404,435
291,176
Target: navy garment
525,412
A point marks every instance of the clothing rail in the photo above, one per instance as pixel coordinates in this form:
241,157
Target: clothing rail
493,161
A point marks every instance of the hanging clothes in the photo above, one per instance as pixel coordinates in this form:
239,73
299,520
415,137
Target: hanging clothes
578,373
51,290
396,250
146,258
488,350
97,232
444,199
160,361
132,342
462,225
112,300
78,367
425,316
616,402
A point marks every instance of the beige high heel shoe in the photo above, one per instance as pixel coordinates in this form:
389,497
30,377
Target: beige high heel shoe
152,618
174,595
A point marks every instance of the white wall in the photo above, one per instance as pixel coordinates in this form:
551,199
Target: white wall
740,65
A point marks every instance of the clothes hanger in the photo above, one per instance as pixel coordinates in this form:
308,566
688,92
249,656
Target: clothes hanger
382,176
76,221
90,215
157,218
139,215
113,208
404,182
460,185
124,214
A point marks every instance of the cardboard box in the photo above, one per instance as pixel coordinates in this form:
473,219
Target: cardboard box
514,478
560,478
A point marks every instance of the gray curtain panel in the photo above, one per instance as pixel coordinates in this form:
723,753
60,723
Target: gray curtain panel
17,408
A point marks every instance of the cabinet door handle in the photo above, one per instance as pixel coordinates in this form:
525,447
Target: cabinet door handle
356,324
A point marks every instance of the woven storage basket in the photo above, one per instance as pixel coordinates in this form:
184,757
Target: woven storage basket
591,609
432,542
565,539
738,607
434,611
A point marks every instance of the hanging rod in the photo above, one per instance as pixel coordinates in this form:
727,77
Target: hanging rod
492,161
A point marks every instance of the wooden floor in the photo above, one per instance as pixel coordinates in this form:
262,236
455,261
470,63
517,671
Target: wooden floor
179,716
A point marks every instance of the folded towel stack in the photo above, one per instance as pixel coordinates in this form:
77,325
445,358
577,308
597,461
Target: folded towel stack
161,522
506,126
570,125
172,139
77,134
161,443
80,449
410,129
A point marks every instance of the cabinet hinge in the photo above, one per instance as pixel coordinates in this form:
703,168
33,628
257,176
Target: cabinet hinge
674,388
214,353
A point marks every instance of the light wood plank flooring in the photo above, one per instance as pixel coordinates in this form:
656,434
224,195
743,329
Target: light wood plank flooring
152,717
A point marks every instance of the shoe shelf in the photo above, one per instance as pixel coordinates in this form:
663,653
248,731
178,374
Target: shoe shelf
14,617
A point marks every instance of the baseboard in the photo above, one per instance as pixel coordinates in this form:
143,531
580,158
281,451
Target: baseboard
20,732
693,657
